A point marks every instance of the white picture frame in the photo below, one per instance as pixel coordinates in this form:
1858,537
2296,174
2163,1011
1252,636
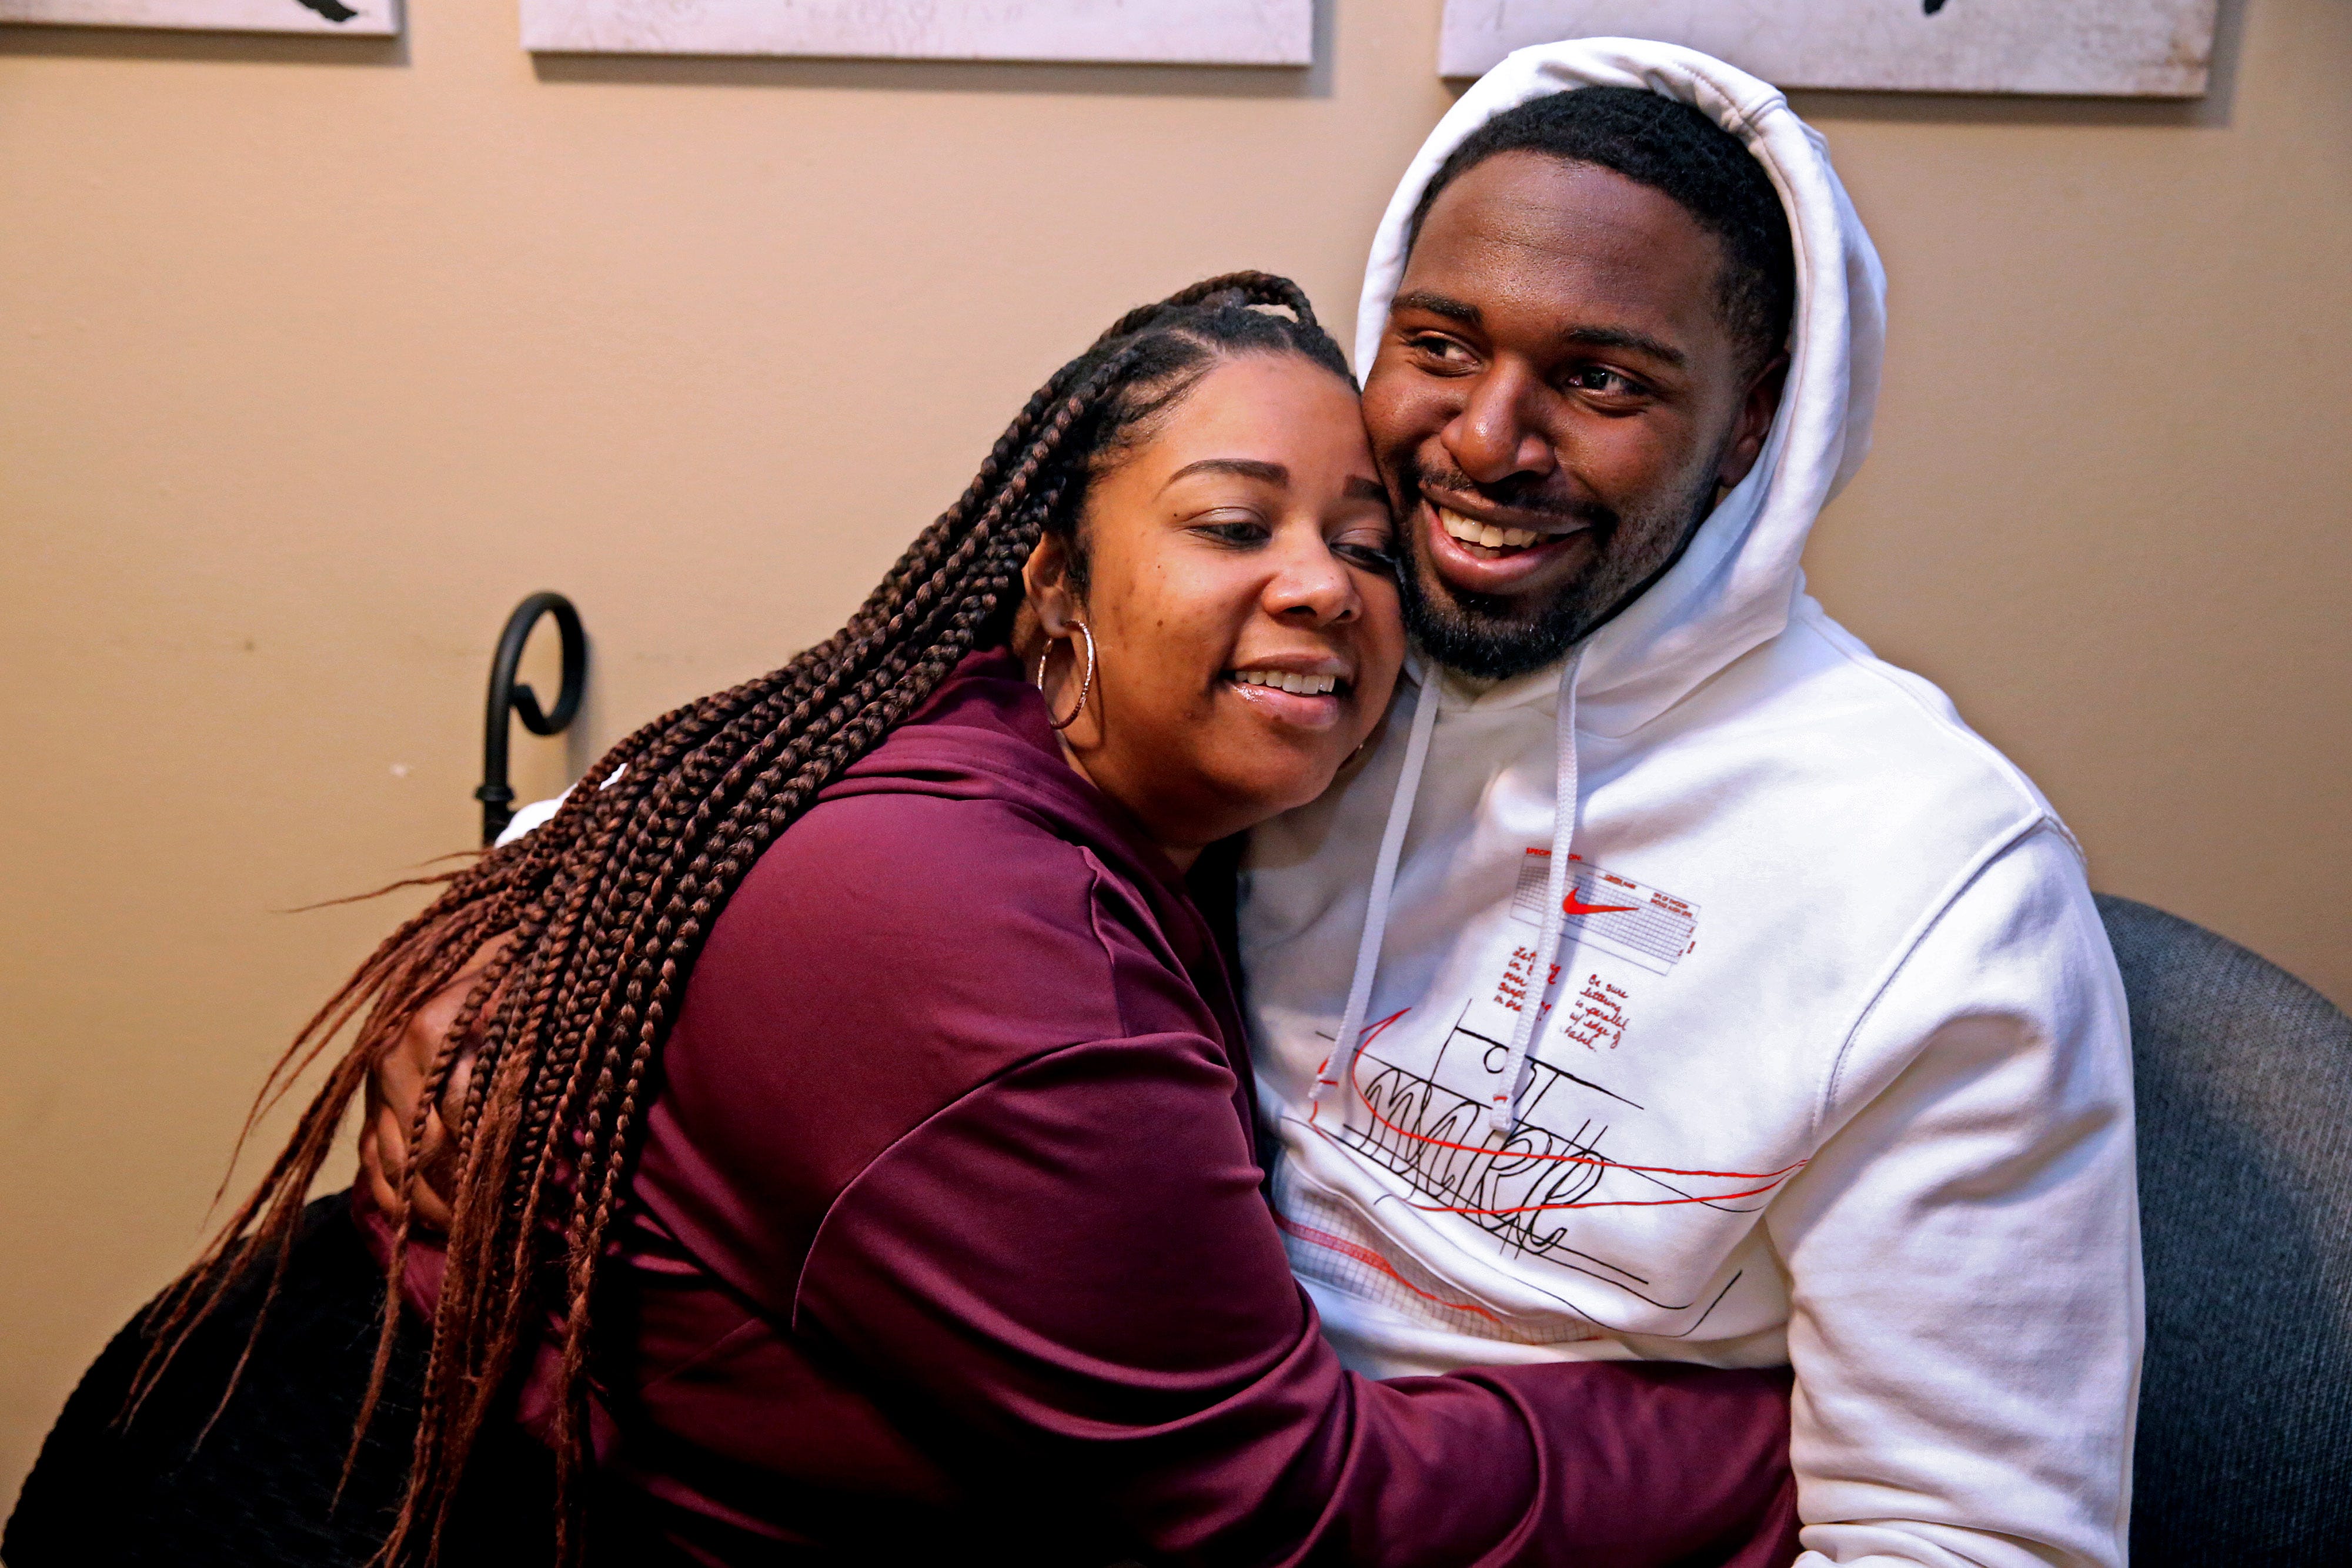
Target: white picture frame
2132,48
342,18
1126,32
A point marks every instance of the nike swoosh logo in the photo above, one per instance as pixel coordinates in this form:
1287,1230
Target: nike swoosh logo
1574,905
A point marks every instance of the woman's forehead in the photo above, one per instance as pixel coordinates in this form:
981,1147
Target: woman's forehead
1263,409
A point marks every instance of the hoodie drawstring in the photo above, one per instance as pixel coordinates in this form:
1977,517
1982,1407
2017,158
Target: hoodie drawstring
1504,1110
1337,1066
1340,1067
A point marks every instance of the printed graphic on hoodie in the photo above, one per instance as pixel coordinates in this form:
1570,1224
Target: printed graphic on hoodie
1419,1099
1326,1243
1658,928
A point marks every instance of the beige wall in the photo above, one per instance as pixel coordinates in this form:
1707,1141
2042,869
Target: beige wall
315,357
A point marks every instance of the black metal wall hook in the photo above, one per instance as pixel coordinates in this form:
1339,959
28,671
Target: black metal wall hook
496,795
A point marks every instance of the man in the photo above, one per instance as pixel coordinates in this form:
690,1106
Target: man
1675,979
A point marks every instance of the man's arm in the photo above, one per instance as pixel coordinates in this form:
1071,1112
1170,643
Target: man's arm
1964,1251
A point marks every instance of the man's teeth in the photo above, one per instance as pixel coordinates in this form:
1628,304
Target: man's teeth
1476,533
1283,680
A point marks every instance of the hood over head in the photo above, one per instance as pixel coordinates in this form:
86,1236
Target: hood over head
1735,586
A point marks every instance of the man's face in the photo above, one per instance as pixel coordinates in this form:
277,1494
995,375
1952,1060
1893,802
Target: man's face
1555,402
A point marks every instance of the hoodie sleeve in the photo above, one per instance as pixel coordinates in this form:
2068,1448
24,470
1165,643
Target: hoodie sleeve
1117,1311
1964,1251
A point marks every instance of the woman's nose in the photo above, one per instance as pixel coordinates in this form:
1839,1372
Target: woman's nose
1494,436
1310,585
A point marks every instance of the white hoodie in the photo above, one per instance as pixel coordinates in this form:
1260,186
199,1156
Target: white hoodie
1836,1069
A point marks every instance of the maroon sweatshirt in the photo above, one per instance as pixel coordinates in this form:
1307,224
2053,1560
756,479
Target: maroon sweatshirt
948,1240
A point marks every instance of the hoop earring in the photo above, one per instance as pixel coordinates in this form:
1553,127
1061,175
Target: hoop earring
1085,686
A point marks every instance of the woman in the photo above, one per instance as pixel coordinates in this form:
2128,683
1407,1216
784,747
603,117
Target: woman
853,1131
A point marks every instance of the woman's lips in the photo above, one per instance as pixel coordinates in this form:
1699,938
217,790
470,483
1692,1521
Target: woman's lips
1304,682
1480,567
1316,705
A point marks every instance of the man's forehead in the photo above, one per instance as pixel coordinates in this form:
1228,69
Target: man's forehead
1521,230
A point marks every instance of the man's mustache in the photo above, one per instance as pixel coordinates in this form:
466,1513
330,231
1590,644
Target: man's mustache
1592,515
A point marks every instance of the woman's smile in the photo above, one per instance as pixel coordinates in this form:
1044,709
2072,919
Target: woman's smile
1310,693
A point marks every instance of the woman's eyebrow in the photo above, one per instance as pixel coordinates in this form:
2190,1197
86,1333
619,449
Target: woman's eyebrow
1363,488
1241,467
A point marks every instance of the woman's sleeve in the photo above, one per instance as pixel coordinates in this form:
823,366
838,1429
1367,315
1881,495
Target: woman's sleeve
1074,1260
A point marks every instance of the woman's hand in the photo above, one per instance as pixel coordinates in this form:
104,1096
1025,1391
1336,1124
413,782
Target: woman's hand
393,1088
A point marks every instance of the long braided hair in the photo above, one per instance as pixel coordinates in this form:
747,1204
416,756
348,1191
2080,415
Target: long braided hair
604,909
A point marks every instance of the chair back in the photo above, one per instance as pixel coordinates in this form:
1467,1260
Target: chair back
2245,1078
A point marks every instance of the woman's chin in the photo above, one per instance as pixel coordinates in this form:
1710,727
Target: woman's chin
1262,782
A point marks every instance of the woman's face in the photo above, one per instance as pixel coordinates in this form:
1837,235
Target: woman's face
1242,549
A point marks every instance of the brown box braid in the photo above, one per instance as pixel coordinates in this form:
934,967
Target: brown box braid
607,904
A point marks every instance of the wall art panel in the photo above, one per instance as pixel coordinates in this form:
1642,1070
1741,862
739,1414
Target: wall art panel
2145,49
1167,32
376,19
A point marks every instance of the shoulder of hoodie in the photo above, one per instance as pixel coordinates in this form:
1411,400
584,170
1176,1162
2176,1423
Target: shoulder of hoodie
1855,787
1918,757
1943,809
1920,710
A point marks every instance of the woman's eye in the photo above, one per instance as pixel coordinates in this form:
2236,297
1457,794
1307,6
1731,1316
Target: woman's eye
1364,553
1234,530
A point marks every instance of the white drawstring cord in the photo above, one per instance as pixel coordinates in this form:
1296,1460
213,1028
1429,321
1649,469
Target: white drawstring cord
1503,1110
1342,1060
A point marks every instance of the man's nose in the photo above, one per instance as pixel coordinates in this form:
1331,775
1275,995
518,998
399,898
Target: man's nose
1494,436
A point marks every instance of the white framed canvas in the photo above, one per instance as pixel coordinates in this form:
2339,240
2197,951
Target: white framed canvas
367,18
1138,32
2138,49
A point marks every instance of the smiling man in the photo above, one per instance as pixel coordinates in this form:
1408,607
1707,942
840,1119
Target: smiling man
1673,979
1549,486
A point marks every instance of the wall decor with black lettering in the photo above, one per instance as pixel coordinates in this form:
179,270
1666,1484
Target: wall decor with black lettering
367,18
2135,49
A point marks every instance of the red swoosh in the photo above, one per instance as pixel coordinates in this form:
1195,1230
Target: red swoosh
1572,905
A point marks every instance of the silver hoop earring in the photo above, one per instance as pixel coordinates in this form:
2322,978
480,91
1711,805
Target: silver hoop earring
1085,685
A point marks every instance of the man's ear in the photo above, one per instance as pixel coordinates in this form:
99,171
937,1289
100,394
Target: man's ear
1046,584
1757,407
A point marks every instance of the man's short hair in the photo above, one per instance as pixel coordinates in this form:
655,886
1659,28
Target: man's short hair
1673,148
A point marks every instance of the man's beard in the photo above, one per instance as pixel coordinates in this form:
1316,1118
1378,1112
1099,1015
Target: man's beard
1490,638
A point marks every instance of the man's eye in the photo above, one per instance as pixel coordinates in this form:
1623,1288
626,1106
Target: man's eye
1434,346
1601,379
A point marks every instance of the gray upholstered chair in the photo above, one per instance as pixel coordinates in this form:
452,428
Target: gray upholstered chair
2245,1177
